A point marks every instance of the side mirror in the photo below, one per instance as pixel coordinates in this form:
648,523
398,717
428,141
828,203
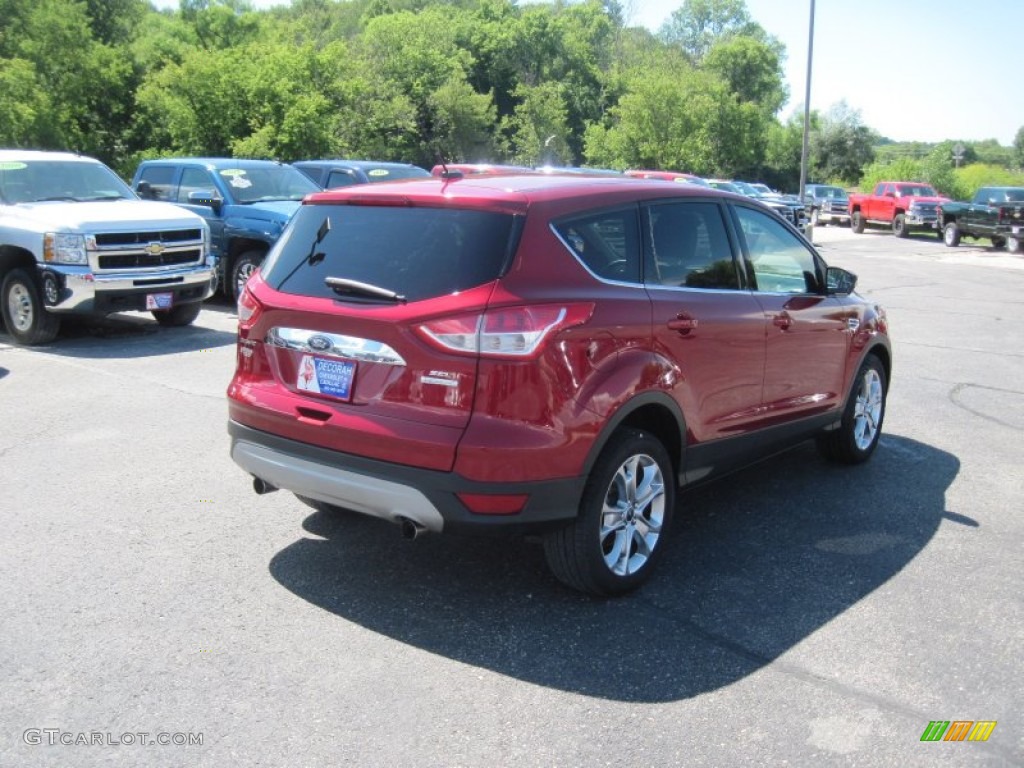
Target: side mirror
205,197
839,281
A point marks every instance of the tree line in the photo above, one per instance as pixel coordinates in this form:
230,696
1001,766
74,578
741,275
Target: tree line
565,83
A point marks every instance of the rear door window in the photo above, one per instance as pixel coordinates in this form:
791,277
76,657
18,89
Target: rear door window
688,247
416,252
607,242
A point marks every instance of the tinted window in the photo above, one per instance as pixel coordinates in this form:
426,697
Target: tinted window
419,253
340,179
396,172
606,242
156,182
688,247
780,261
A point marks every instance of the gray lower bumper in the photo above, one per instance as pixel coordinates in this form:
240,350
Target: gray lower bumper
361,493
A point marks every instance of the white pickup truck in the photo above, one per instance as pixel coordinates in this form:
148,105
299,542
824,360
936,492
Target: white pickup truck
75,239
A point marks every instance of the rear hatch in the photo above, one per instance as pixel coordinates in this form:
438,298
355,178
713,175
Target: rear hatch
345,334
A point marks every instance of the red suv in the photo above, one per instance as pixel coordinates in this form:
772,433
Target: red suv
552,355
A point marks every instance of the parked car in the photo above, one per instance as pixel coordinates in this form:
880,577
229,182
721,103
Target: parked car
782,208
995,212
75,240
545,354
682,178
246,204
797,213
828,204
331,174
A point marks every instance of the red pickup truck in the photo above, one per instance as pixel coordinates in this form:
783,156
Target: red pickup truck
903,205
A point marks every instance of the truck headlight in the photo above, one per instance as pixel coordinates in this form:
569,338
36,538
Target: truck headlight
64,249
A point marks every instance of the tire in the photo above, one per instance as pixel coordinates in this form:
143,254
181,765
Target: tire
899,226
183,314
21,307
951,234
998,242
619,534
1013,244
857,222
241,269
856,438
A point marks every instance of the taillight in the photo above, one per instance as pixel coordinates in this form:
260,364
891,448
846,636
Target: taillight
517,332
248,309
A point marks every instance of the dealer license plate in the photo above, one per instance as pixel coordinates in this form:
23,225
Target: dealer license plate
326,377
159,300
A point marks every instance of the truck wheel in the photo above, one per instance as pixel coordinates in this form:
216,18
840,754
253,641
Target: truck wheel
183,314
857,222
23,312
1013,244
242,269
624,513
951,234
998,242
899,225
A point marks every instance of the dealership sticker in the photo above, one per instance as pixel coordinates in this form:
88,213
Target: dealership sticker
326,377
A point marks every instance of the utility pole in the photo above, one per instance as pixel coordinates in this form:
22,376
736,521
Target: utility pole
807,107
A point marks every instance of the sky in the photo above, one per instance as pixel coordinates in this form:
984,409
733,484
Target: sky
916,70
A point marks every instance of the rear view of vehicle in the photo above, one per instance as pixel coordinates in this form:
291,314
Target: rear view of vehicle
478,354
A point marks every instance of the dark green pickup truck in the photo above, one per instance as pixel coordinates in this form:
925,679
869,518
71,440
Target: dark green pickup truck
995,212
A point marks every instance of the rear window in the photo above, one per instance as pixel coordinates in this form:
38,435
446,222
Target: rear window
419,253
395,173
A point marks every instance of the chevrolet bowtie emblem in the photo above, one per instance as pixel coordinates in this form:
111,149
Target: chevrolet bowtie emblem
154,249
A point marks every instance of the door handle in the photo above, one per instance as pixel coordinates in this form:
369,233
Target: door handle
782,320
683,322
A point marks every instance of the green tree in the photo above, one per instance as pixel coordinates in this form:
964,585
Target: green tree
683,120
752,69
697,25
842,145
538,129
1018,147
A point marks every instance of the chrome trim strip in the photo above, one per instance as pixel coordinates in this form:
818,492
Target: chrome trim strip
335,345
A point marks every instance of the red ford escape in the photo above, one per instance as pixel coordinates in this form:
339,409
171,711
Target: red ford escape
548,355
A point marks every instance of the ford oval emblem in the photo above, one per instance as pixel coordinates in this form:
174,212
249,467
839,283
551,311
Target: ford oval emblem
319,343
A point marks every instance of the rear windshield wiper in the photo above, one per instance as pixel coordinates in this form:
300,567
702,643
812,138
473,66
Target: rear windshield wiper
356,288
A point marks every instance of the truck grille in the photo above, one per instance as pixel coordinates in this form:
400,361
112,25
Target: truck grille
145,238
142,260
147,250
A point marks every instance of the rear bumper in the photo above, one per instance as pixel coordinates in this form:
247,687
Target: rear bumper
394,491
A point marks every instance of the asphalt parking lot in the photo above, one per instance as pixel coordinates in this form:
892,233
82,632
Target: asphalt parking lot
806,615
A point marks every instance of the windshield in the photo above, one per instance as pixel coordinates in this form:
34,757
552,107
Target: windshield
418,253
915,190
831,193
1014,195
34,181
253,185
